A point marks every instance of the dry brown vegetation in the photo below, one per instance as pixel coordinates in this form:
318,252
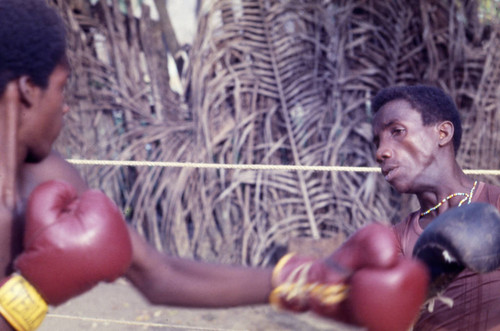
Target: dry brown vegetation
266,82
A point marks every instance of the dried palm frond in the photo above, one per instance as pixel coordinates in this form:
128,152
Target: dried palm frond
268,82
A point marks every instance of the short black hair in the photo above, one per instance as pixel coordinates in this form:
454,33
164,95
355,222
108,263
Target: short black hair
431,102
32,41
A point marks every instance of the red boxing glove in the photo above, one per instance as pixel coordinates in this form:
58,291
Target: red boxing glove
387,299
70,244
361,281
371,246
298,281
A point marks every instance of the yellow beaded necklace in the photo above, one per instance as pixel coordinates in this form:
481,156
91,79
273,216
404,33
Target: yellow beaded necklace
467,196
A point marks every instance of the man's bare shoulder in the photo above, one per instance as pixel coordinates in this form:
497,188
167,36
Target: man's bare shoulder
53,167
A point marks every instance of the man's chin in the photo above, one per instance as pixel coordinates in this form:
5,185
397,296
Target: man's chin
402,188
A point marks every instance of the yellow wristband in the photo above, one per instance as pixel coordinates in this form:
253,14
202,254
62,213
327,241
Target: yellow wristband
21,305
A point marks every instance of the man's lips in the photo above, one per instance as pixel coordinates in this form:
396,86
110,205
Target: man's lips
389,172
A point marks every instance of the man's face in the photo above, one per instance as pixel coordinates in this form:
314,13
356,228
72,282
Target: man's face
46,119
405,148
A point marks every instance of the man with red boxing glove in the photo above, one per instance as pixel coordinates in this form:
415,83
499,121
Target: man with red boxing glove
58,238
61,243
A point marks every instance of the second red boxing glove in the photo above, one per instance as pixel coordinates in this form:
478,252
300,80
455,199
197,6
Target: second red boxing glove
363,282
300,282
388,299
71,243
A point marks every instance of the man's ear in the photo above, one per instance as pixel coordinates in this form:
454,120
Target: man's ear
446,132
26,90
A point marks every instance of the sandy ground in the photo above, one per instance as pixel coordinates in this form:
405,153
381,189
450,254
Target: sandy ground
117,306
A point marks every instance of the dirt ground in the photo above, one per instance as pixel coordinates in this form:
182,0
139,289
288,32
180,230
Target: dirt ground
117,306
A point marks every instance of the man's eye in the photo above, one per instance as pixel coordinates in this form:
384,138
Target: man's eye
397,131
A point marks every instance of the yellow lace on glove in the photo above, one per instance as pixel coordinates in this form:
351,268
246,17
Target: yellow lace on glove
296,286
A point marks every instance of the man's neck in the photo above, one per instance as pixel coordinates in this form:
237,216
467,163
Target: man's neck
447,191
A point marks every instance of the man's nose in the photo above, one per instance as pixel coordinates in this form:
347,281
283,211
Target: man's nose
383,152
